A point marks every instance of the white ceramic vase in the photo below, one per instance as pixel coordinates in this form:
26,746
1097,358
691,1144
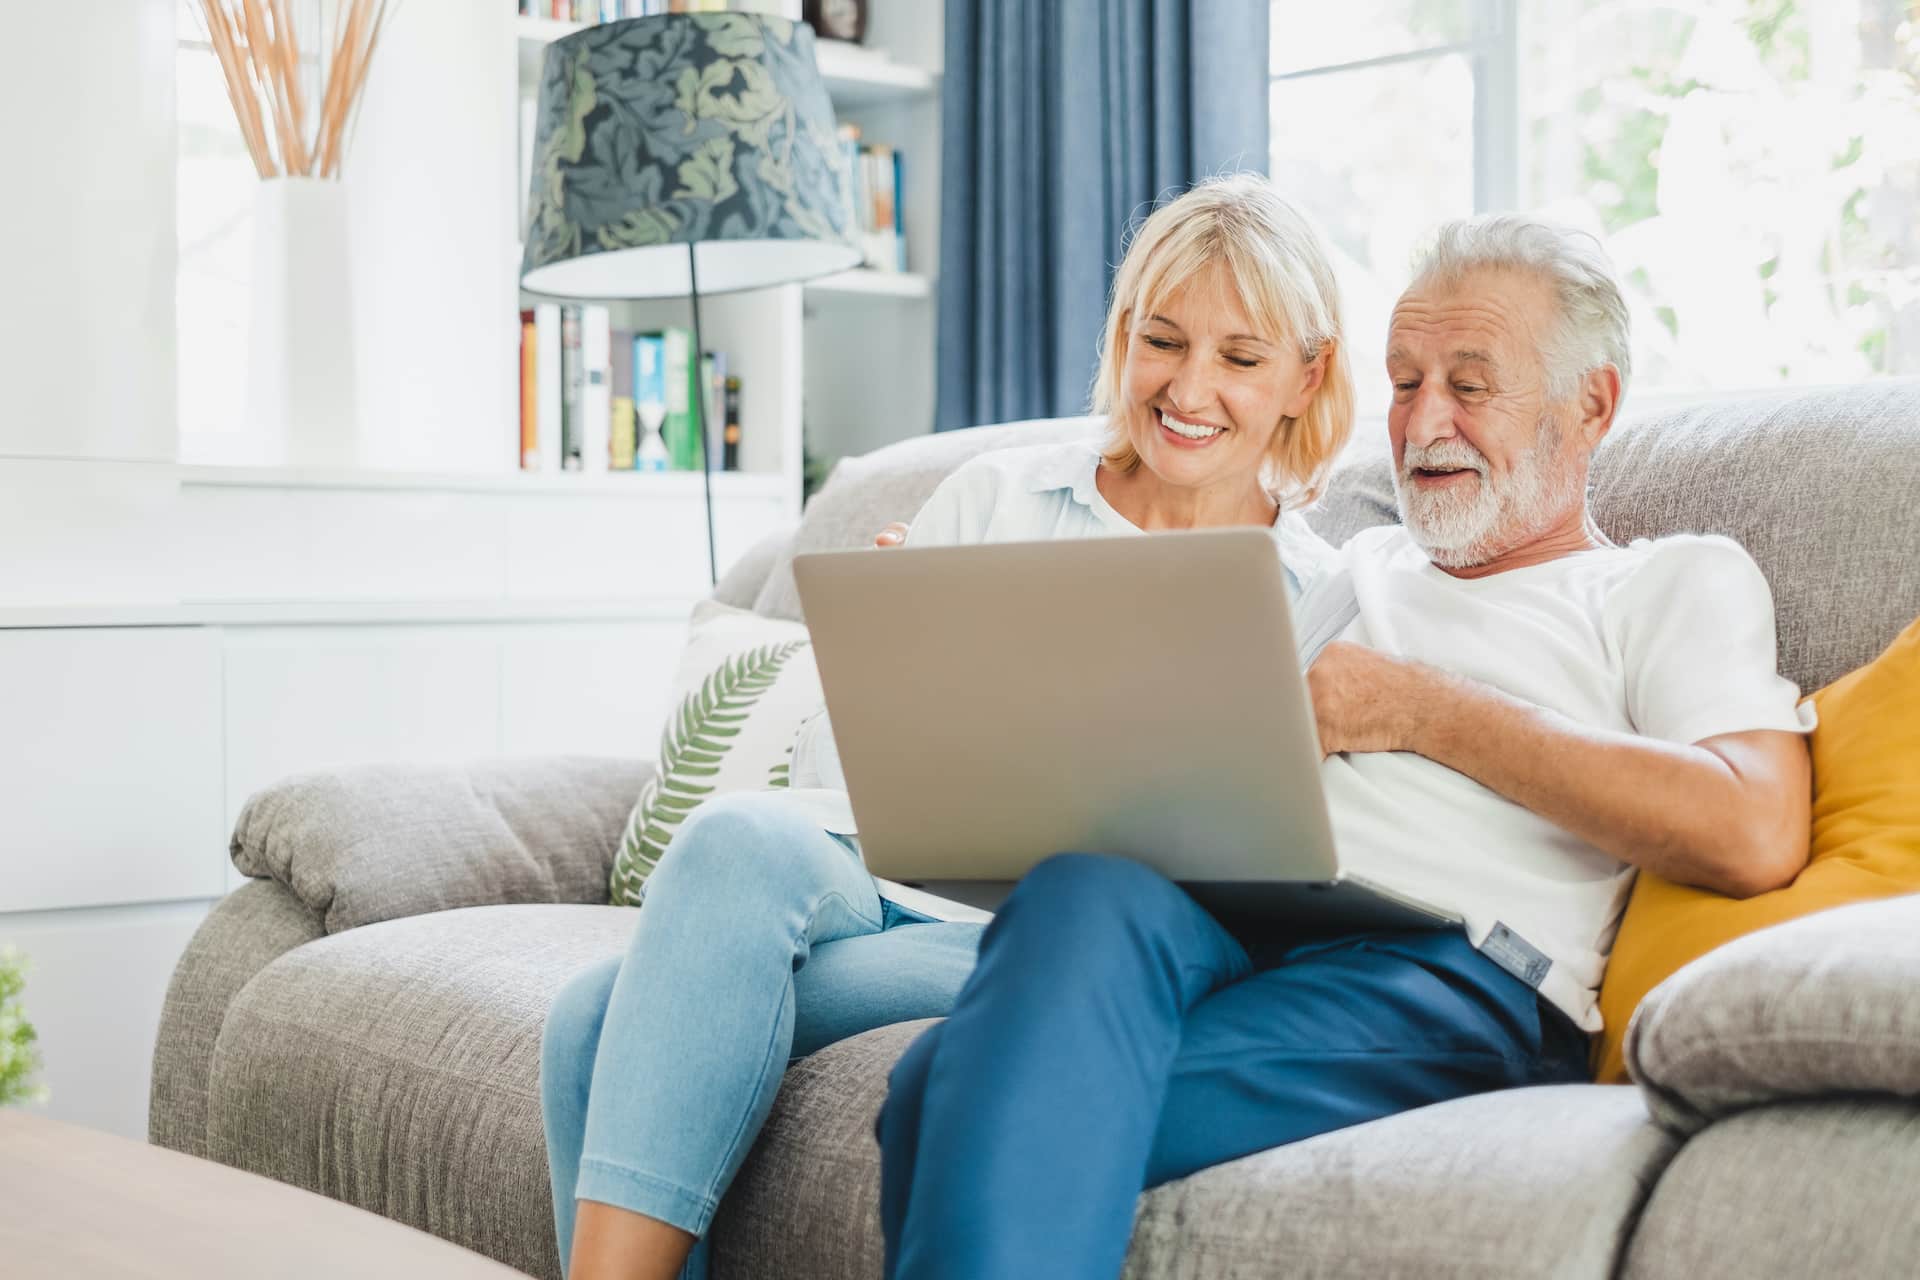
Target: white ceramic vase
302,395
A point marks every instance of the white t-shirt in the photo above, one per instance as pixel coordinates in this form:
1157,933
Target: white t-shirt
1670,639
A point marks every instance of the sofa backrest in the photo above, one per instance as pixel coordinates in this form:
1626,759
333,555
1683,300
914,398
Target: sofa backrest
1821,486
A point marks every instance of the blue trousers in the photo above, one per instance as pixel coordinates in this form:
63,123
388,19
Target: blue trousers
1115,1036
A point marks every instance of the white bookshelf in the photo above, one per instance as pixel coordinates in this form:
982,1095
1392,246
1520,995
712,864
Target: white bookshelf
852,354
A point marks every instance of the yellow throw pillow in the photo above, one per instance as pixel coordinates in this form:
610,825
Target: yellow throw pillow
1866,842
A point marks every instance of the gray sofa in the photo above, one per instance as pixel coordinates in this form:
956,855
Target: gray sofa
363,1018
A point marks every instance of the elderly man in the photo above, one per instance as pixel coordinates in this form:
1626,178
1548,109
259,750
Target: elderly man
1520,714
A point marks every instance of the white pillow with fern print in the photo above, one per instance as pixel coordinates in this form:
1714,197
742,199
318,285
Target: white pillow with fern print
745,685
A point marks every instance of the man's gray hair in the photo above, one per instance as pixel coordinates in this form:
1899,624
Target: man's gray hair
1593,329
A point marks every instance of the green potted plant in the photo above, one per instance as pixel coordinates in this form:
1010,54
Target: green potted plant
18,1058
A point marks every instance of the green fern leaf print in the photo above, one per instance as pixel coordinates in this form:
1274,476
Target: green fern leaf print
693,749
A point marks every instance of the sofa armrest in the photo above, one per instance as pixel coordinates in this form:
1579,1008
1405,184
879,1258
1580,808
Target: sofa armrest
245,932
377,842
1814,1007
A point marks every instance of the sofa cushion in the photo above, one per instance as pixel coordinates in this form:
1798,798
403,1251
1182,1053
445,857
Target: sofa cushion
1800,1189
867,492
396,1067
744,687
376,842
1865,842
740,585
1530,1182
1819,1005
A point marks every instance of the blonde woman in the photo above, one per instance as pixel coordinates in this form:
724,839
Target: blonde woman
1227,393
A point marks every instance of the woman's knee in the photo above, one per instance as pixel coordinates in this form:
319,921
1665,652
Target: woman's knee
743,845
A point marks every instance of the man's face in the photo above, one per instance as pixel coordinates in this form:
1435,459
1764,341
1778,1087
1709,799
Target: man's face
1482,460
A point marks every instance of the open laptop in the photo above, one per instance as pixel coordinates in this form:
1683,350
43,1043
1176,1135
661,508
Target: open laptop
997,704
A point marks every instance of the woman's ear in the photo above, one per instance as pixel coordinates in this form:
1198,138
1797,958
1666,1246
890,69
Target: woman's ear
1316,374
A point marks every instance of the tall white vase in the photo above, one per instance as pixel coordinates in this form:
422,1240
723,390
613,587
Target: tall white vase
301,391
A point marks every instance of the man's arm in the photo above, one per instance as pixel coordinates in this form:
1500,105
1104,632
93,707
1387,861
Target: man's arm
1729,813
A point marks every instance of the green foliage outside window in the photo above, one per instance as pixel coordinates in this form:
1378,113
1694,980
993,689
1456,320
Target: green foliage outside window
18,1058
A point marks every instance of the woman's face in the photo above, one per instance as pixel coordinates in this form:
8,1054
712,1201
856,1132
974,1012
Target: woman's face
1205,392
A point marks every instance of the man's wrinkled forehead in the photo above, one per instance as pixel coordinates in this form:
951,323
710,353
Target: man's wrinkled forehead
1481,319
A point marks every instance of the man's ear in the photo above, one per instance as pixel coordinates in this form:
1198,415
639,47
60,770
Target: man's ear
1599,402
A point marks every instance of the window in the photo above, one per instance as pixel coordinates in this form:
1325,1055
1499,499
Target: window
1752,165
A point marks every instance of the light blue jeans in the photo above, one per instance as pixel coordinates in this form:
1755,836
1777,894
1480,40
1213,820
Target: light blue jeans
762,939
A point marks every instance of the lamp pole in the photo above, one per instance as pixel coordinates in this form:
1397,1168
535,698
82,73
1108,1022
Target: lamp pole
702,409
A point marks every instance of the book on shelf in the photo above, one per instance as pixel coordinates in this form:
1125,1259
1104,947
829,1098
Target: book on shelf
596,393
623,444
546,320
529,393
730,433
649,401
573,385
877,206
713,377
682,428
595,398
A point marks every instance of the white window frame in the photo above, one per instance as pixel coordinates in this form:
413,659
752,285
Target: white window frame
1493,52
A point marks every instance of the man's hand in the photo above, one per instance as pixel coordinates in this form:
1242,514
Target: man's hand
1364,700
894,535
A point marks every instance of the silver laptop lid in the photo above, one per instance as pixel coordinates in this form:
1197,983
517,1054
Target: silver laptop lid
1139,696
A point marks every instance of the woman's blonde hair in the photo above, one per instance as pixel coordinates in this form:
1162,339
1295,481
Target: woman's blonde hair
1280,273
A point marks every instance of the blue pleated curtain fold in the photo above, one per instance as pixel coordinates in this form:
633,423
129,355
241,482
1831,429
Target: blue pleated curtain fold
1062,122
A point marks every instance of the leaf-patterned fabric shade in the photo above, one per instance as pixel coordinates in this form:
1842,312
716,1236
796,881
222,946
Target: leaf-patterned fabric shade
709,129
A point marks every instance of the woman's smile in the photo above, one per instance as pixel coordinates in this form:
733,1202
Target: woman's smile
1187,433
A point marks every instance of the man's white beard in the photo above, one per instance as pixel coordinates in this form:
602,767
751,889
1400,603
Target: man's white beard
1459,531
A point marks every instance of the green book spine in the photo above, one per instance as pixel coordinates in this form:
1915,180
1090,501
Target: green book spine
682,427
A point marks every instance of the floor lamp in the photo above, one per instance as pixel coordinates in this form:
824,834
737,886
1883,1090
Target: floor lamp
685,154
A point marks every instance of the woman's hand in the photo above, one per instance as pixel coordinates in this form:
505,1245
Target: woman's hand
1364,700
894,535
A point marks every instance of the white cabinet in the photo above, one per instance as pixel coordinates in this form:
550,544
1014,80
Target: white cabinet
94,993
110,758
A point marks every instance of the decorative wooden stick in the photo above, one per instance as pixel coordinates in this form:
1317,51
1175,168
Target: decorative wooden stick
257,43
245,108
287,63
355,97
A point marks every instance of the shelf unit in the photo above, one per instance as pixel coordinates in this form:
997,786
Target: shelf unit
850,354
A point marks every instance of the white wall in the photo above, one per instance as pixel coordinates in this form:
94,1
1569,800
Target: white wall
87,147
432,174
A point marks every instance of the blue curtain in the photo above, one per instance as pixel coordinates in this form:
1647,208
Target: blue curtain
1062,122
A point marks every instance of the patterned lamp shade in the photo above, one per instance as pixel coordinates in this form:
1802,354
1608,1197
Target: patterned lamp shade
709,129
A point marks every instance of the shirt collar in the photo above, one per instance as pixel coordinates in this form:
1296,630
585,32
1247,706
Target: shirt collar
1071,467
